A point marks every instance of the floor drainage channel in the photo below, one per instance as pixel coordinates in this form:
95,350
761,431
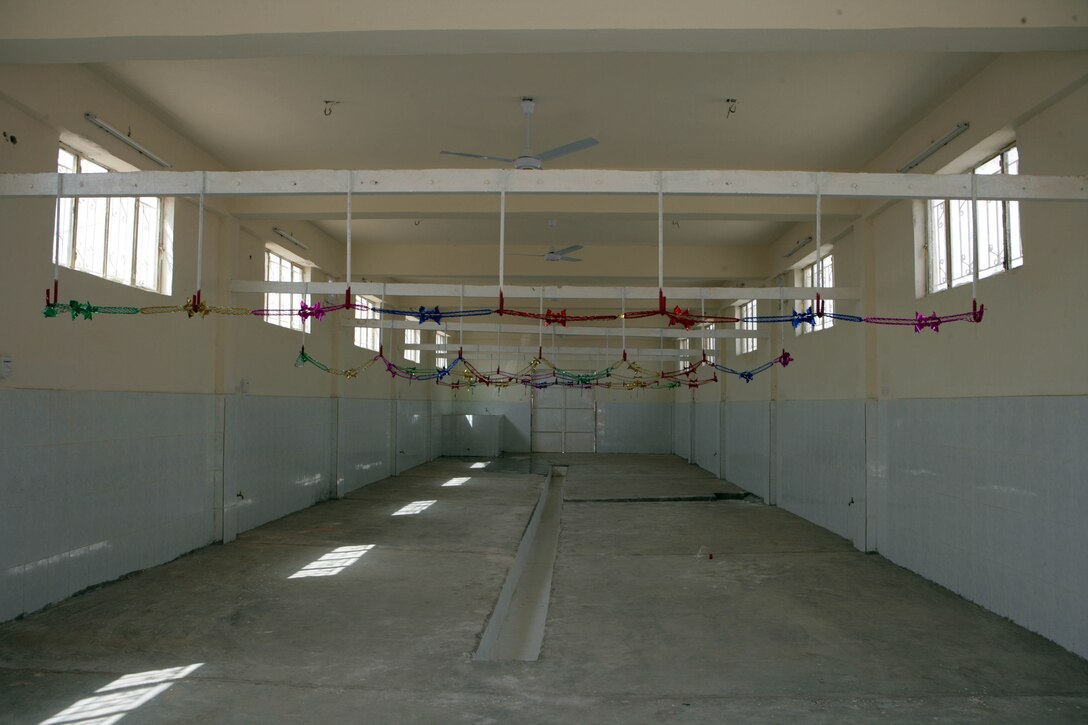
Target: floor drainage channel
515,630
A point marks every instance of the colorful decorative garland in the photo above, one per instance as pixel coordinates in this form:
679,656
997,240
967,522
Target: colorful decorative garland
676,316
542,373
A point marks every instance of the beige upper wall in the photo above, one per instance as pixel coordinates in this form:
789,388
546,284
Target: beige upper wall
1027,345
1030,342
159,353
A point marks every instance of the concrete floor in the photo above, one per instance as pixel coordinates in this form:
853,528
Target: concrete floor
786,622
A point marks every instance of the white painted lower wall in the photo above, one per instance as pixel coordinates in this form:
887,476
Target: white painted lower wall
277,458
516,414
413,430
364,443
985,496
96,485
821,463
468,434
706,436
636,427
989,497
681,429
746,445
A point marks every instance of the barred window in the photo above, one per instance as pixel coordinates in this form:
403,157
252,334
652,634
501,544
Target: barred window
441,359
950,251
281,269
411,337
117,238
818,274
747,344
369,338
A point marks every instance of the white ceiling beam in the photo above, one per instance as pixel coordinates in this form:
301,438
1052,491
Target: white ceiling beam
614,352
454,326
562,181
485,206
491,292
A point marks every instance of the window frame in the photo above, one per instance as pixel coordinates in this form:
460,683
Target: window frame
709,345
808,277
1008,218
286,300
748,308
412,355
441,360
67,231
363,335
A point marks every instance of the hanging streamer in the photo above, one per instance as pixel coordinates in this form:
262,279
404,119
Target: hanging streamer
303,359
560,318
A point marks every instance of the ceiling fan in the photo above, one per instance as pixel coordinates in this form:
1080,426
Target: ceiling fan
529,160
555,255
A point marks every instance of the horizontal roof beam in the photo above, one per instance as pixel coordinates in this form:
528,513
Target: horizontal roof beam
645,352
617,333
486,206
491,292
561,181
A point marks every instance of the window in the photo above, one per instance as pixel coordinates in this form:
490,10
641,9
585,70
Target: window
117,238
411,337
950,253
811,277
441,359
369,338
710,345
683,344
747,344
281,269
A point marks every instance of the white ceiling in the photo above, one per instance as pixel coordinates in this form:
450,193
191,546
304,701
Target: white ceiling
830,111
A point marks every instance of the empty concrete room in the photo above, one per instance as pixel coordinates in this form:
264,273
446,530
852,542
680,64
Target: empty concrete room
505,363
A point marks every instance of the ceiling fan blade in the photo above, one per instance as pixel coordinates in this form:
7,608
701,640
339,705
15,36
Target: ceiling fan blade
568,259
567,250
570,148
478,156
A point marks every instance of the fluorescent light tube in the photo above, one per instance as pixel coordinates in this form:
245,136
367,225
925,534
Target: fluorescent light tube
126,140
797,247
936,146
287,235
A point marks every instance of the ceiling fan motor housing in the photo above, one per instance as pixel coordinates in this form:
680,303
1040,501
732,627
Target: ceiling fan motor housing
527,162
